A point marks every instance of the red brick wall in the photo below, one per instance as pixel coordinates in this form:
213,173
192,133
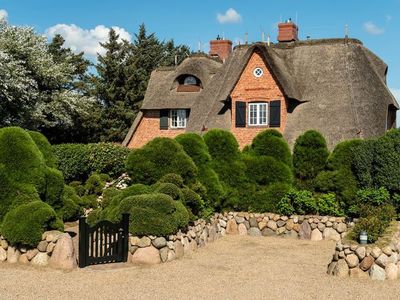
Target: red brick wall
249,89
149,128
222,48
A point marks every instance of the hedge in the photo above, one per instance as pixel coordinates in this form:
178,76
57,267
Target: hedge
45,147
222,145
266,200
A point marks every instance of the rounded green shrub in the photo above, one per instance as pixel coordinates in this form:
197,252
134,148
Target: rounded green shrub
192,201
343,154
169,189
266,200
157,158
271,143
72,160
299,202
54,188
26,223
264,170
45,147
222,145
195,147
94,185
154,214
309,157
172,178
79,188
71,209
328,205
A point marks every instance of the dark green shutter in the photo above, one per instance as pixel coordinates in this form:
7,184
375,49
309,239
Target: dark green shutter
275,113
164,119
240,114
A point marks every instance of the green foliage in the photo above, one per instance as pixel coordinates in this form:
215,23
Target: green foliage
172,178
71,208
299,202
72,161
222,145
169,189
270,142
26,223
343,154
154,214
193,202
94,185
45,147
374,220
195,147
309,157
54,188
328,205
374,197
266,200
158,158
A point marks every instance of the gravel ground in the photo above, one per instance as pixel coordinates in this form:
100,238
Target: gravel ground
233,267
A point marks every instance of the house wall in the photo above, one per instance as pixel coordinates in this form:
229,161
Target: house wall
149,128
249,89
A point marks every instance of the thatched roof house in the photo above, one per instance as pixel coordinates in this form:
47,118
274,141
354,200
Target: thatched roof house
336,86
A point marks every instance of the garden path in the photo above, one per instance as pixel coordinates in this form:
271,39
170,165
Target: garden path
234,267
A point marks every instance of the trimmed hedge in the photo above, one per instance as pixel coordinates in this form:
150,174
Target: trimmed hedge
157,158
266,200
222,145
45,147
169,189
26,223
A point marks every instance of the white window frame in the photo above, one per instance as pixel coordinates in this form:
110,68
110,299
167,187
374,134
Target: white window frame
256,107
178,118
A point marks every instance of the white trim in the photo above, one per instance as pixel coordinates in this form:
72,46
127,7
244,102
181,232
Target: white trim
181,118
257,114
258,72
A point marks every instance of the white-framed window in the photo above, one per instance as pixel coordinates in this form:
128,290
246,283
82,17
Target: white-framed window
178,118
258,72
258,113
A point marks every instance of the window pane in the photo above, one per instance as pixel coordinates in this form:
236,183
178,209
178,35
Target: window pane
263,114
253,114
178,118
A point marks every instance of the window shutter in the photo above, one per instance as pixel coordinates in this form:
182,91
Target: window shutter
164,119
240,114
275,113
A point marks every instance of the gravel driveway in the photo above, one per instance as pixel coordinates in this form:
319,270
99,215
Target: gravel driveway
234,267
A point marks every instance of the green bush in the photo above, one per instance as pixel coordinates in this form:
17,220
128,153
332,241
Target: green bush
375,197
222,145
309,157
72,160
71,209
327,205
169,189
157,158
172,178
195,147
78,186
193,201
94,185
26,223
154,214
266,200
343,154
264,170
45,147
271,143
54,188
299,202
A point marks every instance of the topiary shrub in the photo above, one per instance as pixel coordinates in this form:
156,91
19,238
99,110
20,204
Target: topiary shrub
158,158
222,145
299,202
172,178
71,209
45,147
343,155
94,185
72,161
26,223
154,214
265,170
169,189
266,200
271,143
54,188
309,157
193,202
195,147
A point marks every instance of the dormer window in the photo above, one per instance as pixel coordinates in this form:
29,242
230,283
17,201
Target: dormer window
188,83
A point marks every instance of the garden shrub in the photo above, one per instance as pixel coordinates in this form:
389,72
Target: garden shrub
154,214
264,170
327,205
45,147
26,223
375,197
299,202
71,209
169,189
195,147
72,161
193,202
271,143
309,157
94,185
172,178
222,145
158,158
343,155
266,200
78,186
54,188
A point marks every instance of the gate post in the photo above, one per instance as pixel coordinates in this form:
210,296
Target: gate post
83,246
125,236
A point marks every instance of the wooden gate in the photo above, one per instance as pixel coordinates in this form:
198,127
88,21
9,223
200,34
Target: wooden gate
105,242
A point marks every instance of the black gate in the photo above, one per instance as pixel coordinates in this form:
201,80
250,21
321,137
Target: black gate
104,242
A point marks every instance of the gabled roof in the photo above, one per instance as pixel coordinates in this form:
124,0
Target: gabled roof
337,86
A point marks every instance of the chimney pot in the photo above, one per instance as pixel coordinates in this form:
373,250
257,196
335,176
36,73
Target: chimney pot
288,32
221,48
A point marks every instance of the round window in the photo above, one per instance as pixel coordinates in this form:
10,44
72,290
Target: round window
258,72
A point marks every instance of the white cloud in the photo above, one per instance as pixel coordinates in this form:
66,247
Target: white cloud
3,15
373,29
230,16
86,40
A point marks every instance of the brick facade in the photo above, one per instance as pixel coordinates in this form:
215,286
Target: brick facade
250,89
149,128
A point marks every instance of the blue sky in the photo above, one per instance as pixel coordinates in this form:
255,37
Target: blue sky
85,22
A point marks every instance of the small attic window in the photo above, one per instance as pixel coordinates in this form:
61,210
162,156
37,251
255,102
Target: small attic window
188,83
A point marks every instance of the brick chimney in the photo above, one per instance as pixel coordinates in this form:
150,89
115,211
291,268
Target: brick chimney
288,32
220,48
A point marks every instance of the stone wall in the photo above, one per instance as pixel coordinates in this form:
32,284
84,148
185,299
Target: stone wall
363,261
154,250
55,250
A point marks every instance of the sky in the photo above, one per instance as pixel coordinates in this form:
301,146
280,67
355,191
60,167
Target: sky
84,23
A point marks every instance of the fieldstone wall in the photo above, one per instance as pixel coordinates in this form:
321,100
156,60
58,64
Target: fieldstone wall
154,250
55,250
363,261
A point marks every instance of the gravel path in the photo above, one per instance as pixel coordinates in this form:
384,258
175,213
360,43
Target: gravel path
231,268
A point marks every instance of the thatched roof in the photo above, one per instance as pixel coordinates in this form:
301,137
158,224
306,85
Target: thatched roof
336,86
